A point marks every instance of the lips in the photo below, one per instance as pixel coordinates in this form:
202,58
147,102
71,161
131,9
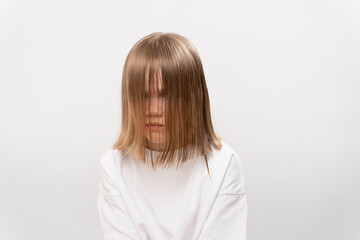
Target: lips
154,124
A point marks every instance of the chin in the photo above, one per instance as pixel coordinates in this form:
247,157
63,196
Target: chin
155,141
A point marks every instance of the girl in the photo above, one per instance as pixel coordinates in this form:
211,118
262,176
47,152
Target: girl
169,176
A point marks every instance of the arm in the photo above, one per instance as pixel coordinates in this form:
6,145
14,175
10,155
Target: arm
228,216
113,215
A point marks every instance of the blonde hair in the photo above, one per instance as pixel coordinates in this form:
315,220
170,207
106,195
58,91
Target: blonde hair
188,129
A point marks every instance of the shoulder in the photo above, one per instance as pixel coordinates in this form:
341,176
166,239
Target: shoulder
107,156
225,154
110,164
110,158
234,159
227,148
233,177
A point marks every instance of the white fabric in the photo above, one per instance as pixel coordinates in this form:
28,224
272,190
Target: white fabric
137,202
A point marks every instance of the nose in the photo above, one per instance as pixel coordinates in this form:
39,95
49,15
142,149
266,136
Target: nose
154,106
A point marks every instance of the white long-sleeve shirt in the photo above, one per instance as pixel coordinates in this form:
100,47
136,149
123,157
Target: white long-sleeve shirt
137,202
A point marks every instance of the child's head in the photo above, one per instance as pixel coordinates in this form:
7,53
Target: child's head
165,103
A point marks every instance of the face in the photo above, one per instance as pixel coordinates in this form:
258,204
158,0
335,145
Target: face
155,114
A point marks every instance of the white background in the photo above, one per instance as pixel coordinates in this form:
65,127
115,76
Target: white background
284,84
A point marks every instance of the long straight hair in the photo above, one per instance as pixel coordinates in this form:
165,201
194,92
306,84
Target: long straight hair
173,59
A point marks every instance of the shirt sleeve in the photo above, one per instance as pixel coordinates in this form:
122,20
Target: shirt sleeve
228,216
114,218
